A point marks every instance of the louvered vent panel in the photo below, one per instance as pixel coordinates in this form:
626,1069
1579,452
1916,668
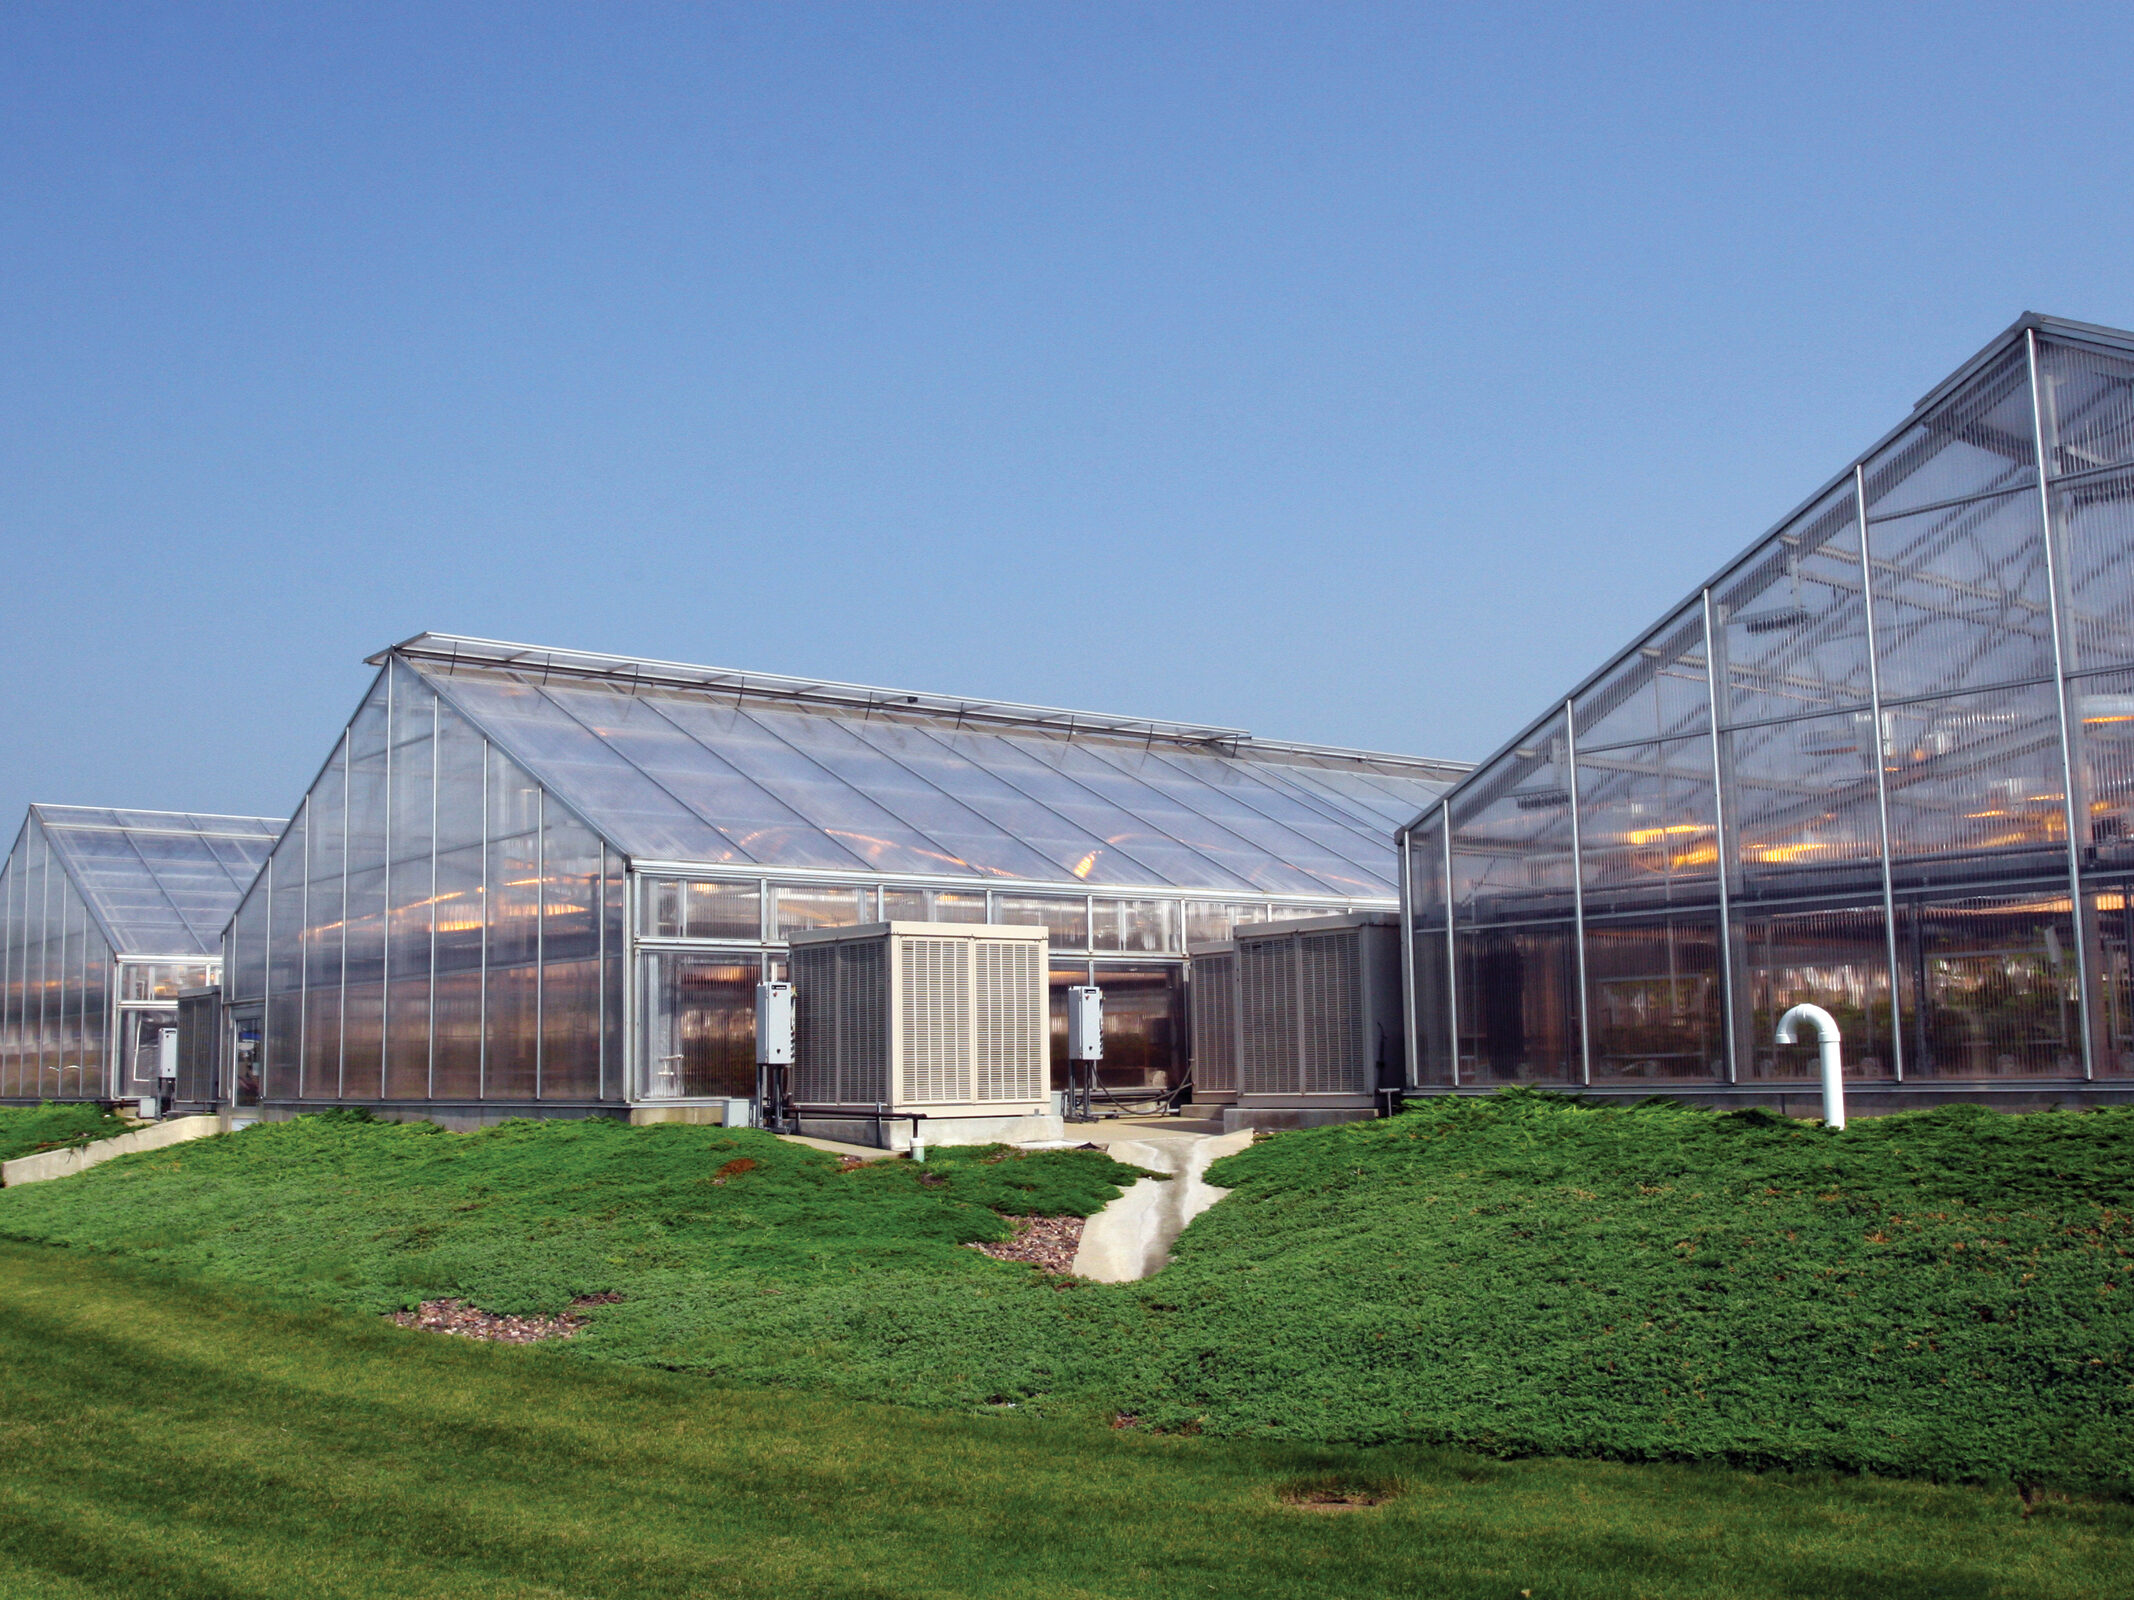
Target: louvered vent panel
814,1075
1010,1017
862,1023
937,1020
1267,1005
1332,1005
1214,996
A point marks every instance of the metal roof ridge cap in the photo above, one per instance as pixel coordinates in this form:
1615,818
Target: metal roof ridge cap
598,664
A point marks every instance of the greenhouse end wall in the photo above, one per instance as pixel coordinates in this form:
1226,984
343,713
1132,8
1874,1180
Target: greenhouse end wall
1884,763
433,928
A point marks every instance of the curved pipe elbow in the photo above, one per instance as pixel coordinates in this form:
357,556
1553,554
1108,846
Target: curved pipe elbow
1825,1025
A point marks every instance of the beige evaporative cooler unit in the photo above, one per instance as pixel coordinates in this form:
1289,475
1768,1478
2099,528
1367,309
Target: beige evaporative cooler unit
1318,1026
934,1032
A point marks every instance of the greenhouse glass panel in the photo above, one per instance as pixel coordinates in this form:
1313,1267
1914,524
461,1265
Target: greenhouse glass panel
1432,1058
1518,1002
570,957
1144,1028
512,1005
410,889
1834,957
1648,825
1132,925
1976,787
2111,916
2087,401
702,1039
1990,988
1067,920
932,905
2101,711
1654,999
1791,620
1802,804
2093,522
1657,691
1962,597
285,948
1978,441
327,809
1511,833
807,906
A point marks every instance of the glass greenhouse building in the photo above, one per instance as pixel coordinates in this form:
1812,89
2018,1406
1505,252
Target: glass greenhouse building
534,879
107,915
1883,762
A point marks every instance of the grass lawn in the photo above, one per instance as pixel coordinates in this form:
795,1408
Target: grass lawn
1944,1294
163,1436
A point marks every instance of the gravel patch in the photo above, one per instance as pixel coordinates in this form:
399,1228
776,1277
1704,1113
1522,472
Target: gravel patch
1047,1242
472,1322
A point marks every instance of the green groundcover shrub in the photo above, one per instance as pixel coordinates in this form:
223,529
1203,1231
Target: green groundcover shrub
31,1130
1942,1293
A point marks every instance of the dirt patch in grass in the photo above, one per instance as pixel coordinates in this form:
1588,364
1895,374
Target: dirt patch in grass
1046,1242
1337,1492
472,1322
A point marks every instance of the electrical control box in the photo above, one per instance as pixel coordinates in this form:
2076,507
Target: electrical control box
1085,1023
774,1024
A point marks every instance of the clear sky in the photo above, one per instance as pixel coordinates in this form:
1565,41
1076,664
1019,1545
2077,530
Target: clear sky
1344,372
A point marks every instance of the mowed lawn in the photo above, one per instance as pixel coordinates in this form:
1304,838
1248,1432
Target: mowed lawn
162,1436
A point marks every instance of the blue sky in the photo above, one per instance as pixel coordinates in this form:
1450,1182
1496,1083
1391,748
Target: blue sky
1343,372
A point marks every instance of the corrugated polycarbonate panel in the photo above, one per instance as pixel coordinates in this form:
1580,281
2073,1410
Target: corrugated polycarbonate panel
1657,691
1511,839
1962,597
159,882
2088,404
1978,441
2093,522
1790,621
680,775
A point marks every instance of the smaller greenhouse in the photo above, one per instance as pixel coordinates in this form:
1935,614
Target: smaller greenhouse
108,915
540,880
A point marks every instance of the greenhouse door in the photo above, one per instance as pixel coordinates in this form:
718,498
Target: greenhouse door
701,1041
244,1054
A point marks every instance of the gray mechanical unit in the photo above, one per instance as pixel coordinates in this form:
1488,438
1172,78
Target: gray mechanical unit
1316,1020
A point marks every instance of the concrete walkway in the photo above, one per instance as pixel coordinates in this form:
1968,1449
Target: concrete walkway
1132,1237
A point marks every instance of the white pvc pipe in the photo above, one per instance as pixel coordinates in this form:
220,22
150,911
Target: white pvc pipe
1826,1033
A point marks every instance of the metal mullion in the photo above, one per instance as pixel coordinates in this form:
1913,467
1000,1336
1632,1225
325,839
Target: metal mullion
540,929
1410,1037
266,975
481,1070
1874,700
1726,915
429,1080
2085,1003
1452,956
340,1061
303,968
385,897
1578,897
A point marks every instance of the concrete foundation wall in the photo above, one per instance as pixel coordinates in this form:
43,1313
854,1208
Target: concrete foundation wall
65,1163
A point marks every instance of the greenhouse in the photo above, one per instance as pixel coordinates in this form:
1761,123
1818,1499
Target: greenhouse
535,879
1883,763
108,915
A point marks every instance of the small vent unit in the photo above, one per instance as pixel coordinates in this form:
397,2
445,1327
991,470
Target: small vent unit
923,1020
1313,1013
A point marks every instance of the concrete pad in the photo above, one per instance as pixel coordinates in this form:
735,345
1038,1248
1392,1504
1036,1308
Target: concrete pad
65,1163
1132,1237
865,1152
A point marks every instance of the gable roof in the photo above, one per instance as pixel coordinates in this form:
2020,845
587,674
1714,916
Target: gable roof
158,882
1971,436
678,764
